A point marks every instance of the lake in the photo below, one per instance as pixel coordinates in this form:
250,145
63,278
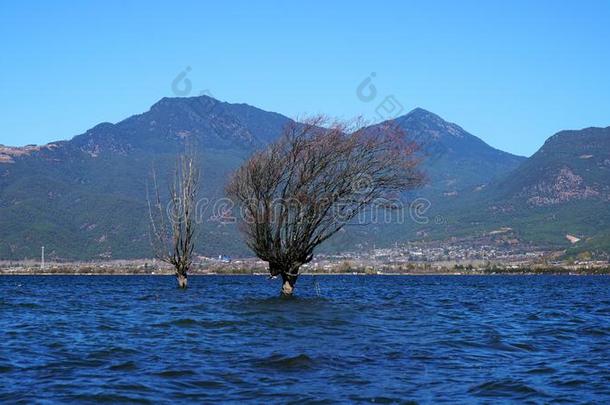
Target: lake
375,339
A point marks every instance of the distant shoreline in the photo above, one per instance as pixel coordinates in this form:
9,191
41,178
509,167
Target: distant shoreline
322,268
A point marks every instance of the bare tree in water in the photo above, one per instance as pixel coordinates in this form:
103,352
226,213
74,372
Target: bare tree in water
314,180
173,225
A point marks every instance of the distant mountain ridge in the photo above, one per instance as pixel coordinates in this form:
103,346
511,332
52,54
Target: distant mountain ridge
85,198
562,190
455,160
571,165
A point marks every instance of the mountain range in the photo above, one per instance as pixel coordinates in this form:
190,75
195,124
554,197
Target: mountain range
561,193
85,198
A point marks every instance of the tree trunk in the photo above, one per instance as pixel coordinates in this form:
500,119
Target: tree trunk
182,280
288,282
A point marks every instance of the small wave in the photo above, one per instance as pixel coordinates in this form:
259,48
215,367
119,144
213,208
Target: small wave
126,366
351,378
460,344
524,346
24,305
263,305
510,347
107,398
206,384
5,369
185,322
279,362
132,387
502,388
111,353
182,323
56,345
592,331
149,297
571,383
219,324
380,400
175,373
191,323
541,370
394,355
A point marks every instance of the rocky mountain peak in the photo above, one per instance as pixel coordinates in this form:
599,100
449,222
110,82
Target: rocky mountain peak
436,127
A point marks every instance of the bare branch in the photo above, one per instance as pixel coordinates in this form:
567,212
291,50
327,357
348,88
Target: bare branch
174,243
314,180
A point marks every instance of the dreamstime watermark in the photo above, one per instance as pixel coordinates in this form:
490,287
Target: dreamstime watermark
182,86
381,210
363,206
388,108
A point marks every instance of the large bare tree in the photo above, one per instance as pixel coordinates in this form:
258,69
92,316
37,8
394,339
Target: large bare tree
311,182
173,225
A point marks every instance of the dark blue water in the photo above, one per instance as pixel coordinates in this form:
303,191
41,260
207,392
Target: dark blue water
364,339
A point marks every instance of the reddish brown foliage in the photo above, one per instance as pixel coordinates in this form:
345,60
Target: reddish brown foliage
317,177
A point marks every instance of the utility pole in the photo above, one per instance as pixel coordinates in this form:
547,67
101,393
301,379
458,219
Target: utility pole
42,261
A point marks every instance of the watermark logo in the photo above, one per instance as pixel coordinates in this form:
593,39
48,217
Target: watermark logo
366,90
418,209
182,85
388,108
224,211
362,184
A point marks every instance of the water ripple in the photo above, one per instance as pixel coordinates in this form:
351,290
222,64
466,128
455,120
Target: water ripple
365,339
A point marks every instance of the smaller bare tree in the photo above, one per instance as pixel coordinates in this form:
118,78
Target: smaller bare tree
314,180
173,226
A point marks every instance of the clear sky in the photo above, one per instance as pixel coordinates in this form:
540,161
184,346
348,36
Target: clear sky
510,72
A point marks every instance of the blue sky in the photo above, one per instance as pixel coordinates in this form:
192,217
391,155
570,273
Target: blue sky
512,73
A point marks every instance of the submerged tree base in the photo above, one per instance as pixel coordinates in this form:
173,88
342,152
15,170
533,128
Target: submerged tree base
287,289
288,282
182,280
